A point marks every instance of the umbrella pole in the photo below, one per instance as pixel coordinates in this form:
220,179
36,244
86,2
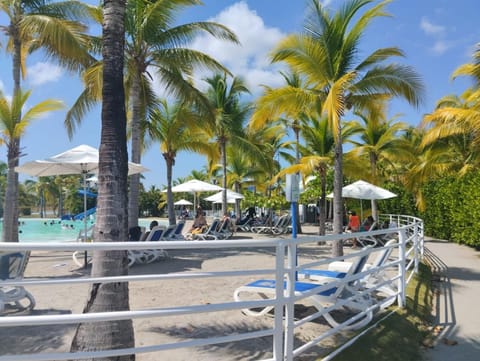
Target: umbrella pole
85,260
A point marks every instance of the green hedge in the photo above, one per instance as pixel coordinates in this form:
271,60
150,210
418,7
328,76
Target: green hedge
453,209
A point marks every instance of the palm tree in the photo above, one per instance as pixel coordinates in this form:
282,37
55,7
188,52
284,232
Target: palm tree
379,144
112,221
227,118
316,157
242,170
172,127
33,25
12,126
326,55
153,45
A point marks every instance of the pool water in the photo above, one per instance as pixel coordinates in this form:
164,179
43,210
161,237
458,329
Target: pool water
54,230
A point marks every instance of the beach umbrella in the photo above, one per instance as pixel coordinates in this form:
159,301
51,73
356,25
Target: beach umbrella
231,197
364,190
82,159
183,202
194,186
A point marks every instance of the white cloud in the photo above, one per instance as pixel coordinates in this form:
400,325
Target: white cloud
2,86
438,32
250,59
431,29
440,47
41,73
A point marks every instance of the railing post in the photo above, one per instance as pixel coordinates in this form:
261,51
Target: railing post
278,334
416,245
402,280
290,304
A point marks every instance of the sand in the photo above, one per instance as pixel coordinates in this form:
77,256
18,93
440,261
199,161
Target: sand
170,293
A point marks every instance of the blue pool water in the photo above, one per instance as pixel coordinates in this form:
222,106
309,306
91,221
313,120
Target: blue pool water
54,230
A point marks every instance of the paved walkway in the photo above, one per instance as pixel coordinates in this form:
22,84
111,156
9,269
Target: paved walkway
457,304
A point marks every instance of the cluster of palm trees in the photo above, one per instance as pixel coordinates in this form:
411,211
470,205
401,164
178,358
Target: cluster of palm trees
331,97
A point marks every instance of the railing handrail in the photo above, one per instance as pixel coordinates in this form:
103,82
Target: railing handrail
409,231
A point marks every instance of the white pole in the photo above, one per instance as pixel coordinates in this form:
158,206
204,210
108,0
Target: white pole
84,173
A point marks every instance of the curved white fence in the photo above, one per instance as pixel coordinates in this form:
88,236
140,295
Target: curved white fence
287,331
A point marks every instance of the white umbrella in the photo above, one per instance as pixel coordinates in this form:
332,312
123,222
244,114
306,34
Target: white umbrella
231,197
364,190
194,186
79,160
183,202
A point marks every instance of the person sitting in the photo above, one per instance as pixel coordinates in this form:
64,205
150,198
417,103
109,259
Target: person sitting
367,223
199,222
153,224
353,225
134,234
353,222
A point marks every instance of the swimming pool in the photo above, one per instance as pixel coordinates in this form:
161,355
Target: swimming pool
54,230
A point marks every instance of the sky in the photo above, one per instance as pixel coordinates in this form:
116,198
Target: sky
437,36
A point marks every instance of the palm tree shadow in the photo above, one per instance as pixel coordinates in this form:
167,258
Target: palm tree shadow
32,339
250,349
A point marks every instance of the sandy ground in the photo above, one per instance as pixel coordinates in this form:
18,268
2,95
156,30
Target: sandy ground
71,299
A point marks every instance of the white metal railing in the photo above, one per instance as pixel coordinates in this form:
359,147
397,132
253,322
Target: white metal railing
287,258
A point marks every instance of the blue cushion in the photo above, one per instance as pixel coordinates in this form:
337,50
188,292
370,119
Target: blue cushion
299,286
323,273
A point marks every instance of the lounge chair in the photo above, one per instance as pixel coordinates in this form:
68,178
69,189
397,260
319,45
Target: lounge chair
12,267
177,233
283,226
224,229
328,298
209,234
270,228
148,255
168,233
376,280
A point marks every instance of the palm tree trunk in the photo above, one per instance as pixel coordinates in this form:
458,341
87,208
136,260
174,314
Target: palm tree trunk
136,152
170,204
322,216
224,180
238,211
373,167
112,220
10,215
337,247
10,212
297,159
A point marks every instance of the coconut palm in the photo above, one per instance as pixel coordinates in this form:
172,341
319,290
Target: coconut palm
226,122
242,170
172,126
33,25
12,127
154,45
112,221
337,80
378,144
316,157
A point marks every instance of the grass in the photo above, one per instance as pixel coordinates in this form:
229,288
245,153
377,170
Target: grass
400,336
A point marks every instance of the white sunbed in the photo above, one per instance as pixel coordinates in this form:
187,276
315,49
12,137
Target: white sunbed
326,299
12,267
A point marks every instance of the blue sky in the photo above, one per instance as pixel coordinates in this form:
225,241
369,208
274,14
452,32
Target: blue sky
436,35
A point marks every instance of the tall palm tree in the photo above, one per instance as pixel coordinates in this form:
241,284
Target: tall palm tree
316,157
154,44
51,26
228,115
12,126
326,54
378,143
112,221
172,126
242,170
